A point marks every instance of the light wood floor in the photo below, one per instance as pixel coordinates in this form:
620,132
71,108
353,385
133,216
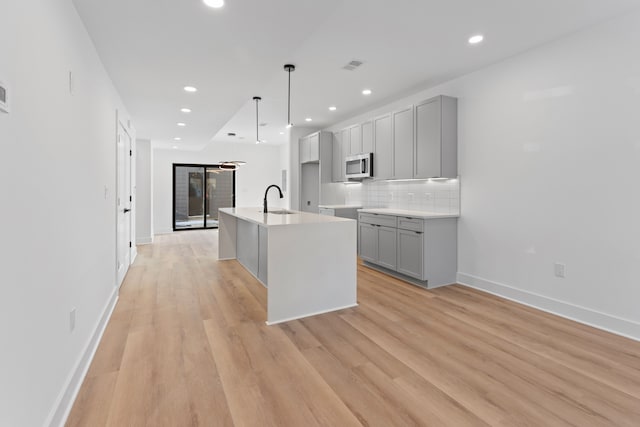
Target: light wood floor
187,346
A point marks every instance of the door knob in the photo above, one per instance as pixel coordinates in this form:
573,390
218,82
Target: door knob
127,210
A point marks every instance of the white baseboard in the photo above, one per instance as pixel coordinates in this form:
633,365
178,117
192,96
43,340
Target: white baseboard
159,232
619,326
275,322
134,254
144,240
64,402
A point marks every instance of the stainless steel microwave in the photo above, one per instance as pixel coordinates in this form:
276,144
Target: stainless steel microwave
359,166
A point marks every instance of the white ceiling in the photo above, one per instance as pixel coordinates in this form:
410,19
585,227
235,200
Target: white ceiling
152,48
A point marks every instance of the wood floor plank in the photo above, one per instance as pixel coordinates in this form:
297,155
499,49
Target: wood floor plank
187,345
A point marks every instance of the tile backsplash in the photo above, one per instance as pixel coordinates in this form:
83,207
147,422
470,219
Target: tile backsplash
423,195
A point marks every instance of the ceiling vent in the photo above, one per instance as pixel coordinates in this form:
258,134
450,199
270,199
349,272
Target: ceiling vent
352,65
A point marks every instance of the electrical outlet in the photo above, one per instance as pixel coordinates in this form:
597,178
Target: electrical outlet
428,196
72,320
559,269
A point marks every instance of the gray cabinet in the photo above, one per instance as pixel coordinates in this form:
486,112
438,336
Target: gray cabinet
387,247
262,254
422,251
403,143
355,140
383,142
368,235
377,239
436,138
310,148
247,250
411,253
366,133
337,163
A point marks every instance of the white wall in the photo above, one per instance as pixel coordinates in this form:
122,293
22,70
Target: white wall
144,192
549,158
58,226
264,166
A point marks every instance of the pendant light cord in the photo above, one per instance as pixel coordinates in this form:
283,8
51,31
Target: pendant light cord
257,99
289,100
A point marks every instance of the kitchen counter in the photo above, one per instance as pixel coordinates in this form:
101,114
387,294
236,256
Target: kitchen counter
408,213
307,262
256,216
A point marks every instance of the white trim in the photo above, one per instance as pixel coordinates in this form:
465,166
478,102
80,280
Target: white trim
311,314
66,398
160,232
134,254
144,240
616,325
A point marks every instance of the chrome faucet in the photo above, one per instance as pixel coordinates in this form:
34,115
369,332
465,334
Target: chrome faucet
265,196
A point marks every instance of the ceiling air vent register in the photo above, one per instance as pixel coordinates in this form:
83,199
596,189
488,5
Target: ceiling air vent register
352,65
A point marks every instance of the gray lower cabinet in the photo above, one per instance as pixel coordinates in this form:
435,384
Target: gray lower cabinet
387,247
251,248
411,253
378,245
417,248
368,242
262,254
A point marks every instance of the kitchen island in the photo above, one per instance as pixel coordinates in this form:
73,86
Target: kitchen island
307,261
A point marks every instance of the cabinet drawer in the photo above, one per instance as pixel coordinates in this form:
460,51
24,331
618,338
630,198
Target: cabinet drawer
413,224
376,219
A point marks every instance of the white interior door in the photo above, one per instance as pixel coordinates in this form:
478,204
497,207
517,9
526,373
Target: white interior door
123,204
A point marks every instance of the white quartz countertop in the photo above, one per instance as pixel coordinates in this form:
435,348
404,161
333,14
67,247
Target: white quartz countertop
340,206
256,215
408,213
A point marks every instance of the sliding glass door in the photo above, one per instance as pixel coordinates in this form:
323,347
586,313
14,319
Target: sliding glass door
198,192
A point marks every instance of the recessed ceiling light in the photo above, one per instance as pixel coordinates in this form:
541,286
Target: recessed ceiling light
190,89
476,39
366,92
181,124
332,108
214,3
177,138
175,147
281,133
308,119
185,110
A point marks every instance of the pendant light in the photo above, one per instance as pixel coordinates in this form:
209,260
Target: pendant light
289,68
257,99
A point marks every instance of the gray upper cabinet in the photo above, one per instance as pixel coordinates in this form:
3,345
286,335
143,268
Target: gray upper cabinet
355,140
403,143
337,164
436,138
366,133
346,150
310,148
383,142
